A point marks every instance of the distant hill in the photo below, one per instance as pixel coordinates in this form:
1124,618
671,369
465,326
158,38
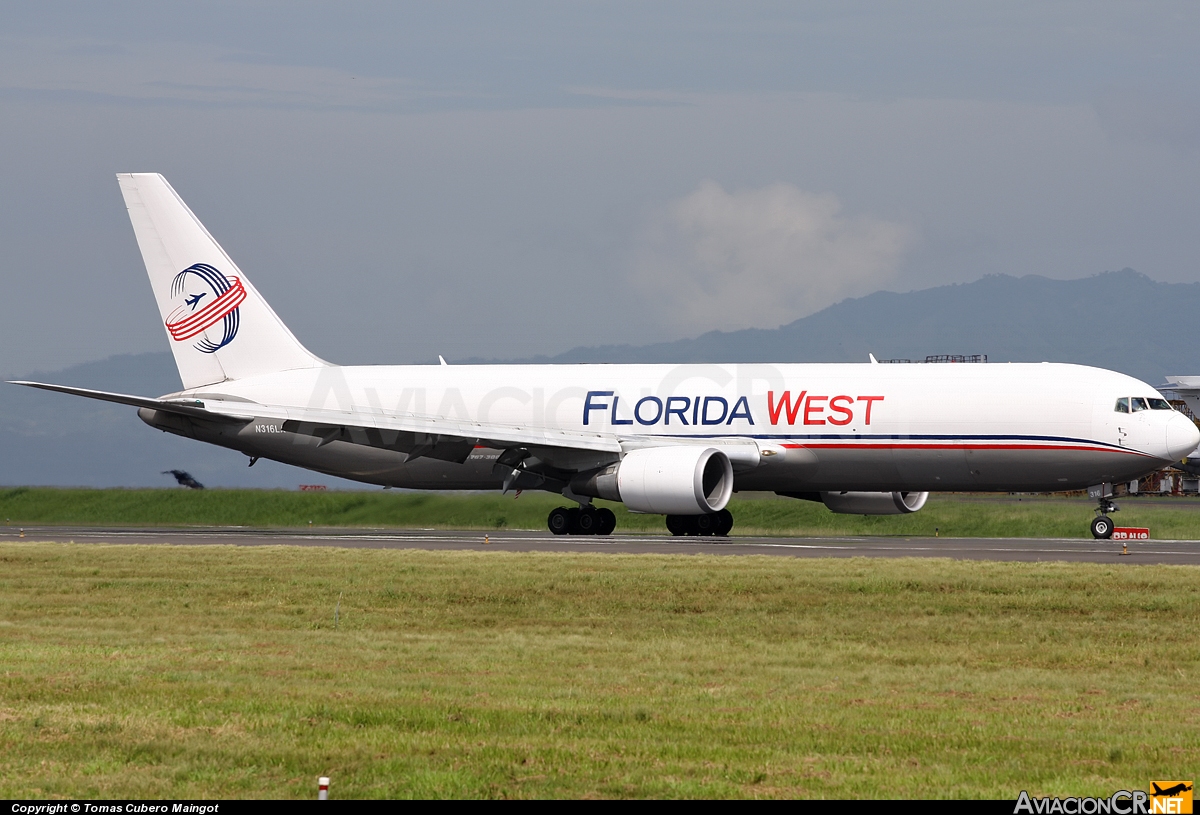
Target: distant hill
1119,320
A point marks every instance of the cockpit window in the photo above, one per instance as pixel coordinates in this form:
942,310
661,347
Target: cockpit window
1122,405
1138,403
1160,404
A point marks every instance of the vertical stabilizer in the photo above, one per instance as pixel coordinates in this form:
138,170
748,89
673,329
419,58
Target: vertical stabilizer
218,325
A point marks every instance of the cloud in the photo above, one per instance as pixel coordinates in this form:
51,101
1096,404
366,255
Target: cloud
761,257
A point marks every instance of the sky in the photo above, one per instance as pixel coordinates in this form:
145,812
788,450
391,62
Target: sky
503,180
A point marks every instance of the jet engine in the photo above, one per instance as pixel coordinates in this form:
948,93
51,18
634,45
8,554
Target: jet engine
676,480
874,503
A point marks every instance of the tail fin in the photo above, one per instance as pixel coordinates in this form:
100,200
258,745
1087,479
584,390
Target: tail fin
219,326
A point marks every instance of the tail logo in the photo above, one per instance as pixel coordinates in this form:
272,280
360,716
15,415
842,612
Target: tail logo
209,298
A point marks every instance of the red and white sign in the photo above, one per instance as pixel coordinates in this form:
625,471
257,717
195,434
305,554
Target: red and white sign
1130,533
312,488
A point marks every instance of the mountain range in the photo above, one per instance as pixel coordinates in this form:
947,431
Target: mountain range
1119,320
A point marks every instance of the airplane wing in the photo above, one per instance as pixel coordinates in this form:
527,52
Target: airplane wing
414,434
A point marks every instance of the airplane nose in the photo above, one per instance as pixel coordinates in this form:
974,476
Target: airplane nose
1182,437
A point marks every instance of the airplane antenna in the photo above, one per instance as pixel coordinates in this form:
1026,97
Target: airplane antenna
442,360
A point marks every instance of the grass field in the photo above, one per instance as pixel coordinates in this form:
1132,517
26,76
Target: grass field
218,671
755,514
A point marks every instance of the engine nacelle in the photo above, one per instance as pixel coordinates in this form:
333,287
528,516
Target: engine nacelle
675,480
874,503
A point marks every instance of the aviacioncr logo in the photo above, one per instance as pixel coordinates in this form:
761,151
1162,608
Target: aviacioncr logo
208,307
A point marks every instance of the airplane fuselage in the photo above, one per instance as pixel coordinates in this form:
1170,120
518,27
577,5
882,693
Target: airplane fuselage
819,427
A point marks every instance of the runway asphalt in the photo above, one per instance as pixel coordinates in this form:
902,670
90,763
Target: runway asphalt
1005,549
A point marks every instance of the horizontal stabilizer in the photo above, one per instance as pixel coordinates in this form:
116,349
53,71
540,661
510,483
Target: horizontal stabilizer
186,407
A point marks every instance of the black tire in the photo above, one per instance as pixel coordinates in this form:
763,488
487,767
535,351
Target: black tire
607,521
677,525
705,524
1102,527
559,521
586,522
724,523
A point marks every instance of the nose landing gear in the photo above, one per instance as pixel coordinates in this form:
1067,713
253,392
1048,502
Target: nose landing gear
1102,525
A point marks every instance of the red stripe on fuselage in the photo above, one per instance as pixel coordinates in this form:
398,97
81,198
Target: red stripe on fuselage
911,446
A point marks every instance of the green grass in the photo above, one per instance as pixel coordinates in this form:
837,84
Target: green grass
217,671
755,514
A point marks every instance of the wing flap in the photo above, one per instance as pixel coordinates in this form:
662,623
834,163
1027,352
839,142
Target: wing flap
427,427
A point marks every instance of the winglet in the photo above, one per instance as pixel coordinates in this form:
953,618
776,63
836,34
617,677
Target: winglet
872,358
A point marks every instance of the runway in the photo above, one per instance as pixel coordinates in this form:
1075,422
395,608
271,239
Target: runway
1003,549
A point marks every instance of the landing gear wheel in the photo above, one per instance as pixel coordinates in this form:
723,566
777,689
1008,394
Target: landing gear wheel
586,522
559,521
677,525
606,521
1102,525
724,523
705,524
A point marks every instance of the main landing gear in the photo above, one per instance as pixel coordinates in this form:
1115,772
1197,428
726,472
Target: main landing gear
581,521
1102,525
713,523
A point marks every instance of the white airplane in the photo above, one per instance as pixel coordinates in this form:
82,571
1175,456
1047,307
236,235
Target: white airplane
676,440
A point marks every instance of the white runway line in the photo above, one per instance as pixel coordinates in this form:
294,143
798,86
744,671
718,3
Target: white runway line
1004,549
